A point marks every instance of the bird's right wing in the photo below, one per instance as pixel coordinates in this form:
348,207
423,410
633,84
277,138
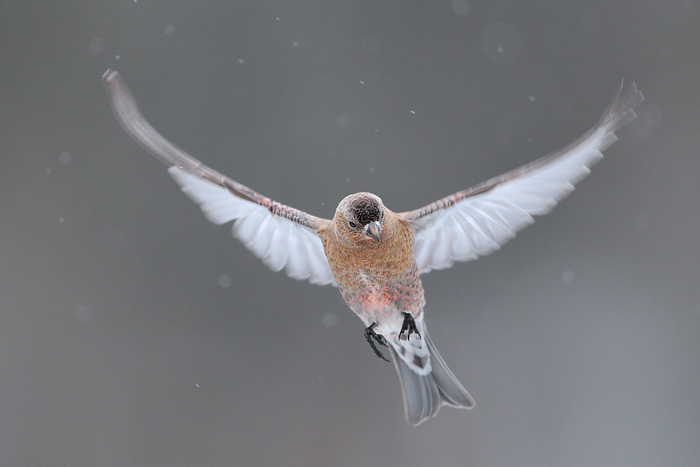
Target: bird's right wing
478,220
281,236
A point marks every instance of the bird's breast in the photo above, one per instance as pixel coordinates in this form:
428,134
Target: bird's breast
380,281
390,261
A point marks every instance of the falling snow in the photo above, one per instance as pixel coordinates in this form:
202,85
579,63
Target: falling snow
567,277
84,313
501,42
460,7
342,121
329,320
225,280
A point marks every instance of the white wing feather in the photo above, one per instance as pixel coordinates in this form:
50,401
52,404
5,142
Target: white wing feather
278,242
478,221
283,237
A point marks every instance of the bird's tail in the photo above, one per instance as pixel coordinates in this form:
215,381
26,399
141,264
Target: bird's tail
423,395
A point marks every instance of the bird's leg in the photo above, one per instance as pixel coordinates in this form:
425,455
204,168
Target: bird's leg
371,336
408,326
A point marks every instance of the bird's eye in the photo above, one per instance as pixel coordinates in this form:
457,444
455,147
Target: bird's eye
352,224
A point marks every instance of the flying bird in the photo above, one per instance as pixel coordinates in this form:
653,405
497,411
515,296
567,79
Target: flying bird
375,256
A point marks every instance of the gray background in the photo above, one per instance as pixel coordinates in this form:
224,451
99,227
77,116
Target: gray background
124,342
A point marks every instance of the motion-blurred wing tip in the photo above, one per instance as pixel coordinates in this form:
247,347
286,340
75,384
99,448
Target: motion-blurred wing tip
110,76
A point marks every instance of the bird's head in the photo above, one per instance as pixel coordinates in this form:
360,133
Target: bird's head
360,218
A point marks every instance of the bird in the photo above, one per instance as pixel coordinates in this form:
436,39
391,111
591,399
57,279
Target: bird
376,256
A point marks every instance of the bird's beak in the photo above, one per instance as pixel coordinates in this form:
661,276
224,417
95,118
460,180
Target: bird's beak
374,230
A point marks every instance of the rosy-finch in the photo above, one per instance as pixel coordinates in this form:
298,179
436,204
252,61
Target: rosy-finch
374,255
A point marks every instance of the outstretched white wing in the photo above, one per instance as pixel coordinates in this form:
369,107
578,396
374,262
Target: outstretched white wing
477,221
281,236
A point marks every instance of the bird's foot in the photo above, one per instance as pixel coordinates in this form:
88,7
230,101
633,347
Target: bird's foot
408,326
371,336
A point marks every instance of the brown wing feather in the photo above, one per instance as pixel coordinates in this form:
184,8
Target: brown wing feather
621,110
281,236
477,221
129,116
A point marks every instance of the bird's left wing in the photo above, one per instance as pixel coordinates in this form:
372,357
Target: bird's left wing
477,221
281,236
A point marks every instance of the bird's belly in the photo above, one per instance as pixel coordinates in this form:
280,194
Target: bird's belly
377,302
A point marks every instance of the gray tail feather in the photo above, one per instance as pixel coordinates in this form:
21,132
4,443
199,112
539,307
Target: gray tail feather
423,395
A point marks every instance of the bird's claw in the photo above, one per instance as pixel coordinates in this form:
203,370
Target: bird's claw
408,327
372,336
